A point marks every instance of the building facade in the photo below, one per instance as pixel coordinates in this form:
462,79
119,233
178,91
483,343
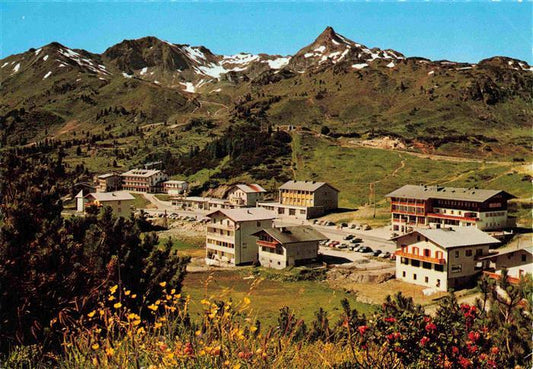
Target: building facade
442,258
245,195
517,260
143,180
108,182
423,206
304,200
173,187
121,202
288,246
229,235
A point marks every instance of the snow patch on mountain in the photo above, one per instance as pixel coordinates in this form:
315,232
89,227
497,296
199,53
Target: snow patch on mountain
143,71
45,58
279,62
189,87
82,62
16,68
47,75
360,65
38,51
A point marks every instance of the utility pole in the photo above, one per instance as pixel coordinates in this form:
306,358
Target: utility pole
372,198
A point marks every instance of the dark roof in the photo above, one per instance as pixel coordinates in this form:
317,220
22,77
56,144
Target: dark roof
285,235
447,193
305,185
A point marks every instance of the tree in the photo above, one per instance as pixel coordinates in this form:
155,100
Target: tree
325,130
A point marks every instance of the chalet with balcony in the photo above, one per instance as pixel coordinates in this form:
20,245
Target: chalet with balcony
174,187
245,194
121,202
442,258
304,200
143,180
423,206
288,246
108,182
229,235
516,259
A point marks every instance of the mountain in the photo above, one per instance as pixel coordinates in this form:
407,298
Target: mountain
349,88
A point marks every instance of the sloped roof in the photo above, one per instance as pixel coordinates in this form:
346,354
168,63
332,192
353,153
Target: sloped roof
172,181
510,249
107,175
111,196
447,193
305,185
454,236
286,235
246,214
250,188
141,172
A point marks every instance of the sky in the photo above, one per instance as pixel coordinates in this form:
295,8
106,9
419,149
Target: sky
458,31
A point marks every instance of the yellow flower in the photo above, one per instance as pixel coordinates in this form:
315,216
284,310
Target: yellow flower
158,325
246,300
111,298
237,366
109,351
127,292
134,296
198,332
152,307
118,305
91,314
205,302
253,329
172,291
163,284
95,346
132,316
136,322
113,289
140,331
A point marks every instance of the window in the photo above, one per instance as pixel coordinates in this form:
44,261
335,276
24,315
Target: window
438,282
479,252
292,211
427,252
258,224
403,273
457,268
523,257
439,267
415,263
414,277
468,252
456,254
418,238
405,261
415,250
426,279
426,265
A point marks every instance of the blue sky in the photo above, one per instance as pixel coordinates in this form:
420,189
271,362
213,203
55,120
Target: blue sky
461,31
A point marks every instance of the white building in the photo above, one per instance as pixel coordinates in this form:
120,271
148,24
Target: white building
517,259
174,187
442,258
143,180
121,202
229,235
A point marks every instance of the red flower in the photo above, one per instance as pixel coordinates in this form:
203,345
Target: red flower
427,319
455,350
473,336
482,357
472,349
495,350
430,327
362,329
390,320
464,362
424,341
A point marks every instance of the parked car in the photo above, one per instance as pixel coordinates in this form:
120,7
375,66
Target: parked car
376,253
330,224
351,226
348,237
359,248
367,227
315,221
384,255
355,241
366,250
344,225
342,246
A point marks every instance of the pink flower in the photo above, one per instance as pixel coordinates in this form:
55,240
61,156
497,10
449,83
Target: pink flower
424,341
473,336
464,362
362,329
430,327
455,350
390,320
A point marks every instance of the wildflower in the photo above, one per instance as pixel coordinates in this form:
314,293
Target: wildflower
246,300
464,362
111,298
109,351
424,341
494,350
95,346
188,349
127,292
140,331
473,336
204,302
362,329
91,314
134,296
430,327
113,289
132,316
198,332
390,320
118,305
152,307
253,329
163,284
158,325
455,350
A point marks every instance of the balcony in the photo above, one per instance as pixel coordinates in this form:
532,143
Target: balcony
403,203
451,217
496,276
428,259
226,227
271,244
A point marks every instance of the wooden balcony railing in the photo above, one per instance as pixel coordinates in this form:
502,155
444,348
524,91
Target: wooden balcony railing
420,257
271,244
496,276
451,217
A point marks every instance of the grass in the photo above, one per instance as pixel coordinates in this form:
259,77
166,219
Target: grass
269,296
140,201
188,246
